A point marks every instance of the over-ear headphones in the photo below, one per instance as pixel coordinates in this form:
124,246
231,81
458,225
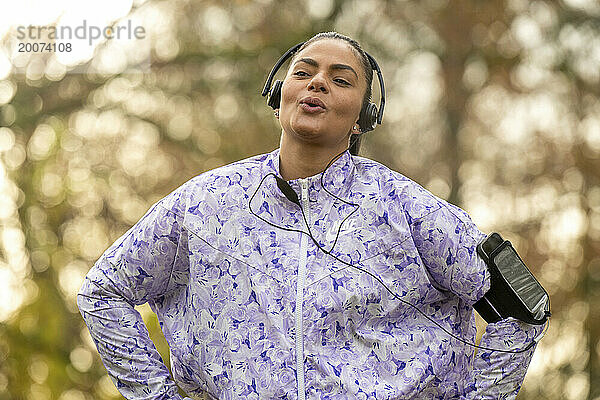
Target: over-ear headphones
369,116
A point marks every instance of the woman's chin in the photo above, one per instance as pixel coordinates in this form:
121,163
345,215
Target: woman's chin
309,132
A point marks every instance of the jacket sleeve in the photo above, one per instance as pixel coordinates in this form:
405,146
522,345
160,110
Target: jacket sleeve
446,240
147,262
498,375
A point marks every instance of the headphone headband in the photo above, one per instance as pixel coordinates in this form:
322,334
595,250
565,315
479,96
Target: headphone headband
369,117
278,65
376,68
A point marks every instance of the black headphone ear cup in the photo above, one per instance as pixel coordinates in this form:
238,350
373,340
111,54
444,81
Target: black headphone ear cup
368,118
274,98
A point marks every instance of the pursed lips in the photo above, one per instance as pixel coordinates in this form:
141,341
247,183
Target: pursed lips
312,104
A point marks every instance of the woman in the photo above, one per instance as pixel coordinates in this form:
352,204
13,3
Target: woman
262,298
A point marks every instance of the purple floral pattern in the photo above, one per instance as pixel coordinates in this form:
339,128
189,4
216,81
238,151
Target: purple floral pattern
224,286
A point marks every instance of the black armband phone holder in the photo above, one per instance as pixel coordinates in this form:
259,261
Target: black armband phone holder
514,291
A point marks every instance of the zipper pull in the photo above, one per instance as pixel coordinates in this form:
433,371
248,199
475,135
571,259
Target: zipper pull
304,186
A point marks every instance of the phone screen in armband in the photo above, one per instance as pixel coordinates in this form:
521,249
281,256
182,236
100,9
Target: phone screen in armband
514,291
520,279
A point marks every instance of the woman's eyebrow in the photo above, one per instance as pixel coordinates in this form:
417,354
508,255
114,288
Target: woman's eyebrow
314,63
308,61
344,66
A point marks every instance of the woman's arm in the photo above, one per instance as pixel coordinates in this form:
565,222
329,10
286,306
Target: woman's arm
147,262
447,239
498,375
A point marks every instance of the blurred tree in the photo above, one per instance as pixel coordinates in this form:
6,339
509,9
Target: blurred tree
499,99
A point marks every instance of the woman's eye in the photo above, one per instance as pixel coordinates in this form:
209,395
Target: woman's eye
300,73
341,81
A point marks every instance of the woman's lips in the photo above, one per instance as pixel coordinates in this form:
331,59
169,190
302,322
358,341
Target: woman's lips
312,104
309,108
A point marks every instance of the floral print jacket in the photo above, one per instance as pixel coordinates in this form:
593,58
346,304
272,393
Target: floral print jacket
252,309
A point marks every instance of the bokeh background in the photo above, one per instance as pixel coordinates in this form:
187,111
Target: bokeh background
492,105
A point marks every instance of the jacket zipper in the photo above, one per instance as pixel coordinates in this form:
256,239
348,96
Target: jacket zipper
300,295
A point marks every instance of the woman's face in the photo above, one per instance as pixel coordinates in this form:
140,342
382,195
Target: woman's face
322,94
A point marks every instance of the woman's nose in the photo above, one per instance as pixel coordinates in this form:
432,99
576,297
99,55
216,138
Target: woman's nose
318,83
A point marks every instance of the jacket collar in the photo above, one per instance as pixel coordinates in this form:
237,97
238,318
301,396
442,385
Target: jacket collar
336,178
